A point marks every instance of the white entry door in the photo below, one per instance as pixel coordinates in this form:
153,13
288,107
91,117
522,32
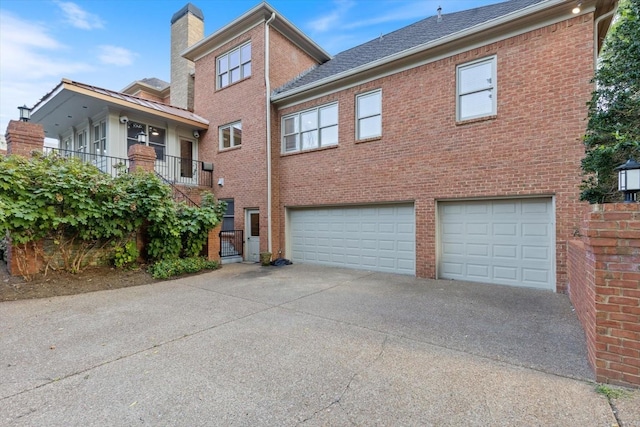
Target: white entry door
252,225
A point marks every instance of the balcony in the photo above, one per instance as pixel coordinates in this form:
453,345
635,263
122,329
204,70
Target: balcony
174,170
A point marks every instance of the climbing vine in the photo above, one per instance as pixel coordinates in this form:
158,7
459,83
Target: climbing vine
79,209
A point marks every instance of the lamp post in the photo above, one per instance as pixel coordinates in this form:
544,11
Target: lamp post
629,180
25,113
142,138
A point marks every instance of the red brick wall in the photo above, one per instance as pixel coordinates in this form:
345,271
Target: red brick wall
286,60
244,168
582,292
532,147
606,294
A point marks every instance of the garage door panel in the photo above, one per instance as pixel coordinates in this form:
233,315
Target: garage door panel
477,229
535,276
505,251
519,250
504,208
378,238
505,229
478,271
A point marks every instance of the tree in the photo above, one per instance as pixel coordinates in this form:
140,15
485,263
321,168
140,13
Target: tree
613,130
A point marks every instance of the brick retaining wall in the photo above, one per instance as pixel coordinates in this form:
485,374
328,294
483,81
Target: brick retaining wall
604,287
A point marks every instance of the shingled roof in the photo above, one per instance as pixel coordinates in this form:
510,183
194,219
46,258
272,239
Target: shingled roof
422,32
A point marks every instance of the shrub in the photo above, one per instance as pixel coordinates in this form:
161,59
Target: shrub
174,267
126,255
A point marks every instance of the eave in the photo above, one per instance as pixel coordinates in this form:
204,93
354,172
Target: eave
256,16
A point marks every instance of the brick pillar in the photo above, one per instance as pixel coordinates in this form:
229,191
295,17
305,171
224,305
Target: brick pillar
604,285
24,260
213,244
24,137
141,157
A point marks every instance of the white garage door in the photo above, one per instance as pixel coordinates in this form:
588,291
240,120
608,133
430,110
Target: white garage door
508,242
379,238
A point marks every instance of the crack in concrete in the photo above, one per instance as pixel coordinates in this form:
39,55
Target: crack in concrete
338,400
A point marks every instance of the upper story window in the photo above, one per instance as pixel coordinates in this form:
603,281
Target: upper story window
310,129
369,115
476,89
155,137
231,135
234,66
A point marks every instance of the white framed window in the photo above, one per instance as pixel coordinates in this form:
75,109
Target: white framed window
81,140
310,129
100,138
476,89
231,135
234,65
369,115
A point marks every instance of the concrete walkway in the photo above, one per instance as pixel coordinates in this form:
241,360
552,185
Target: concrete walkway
300,345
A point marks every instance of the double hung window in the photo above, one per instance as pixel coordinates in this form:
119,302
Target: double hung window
369,115
234,66
476,89
100,138
310,129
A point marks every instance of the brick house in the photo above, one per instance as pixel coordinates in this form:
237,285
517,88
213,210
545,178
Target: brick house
449,148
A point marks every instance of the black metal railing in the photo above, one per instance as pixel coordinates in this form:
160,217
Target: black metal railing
184,171
113,166
177,194
231,243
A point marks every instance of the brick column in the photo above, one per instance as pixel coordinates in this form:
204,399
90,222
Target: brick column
24,137
141,157
213,244
604,286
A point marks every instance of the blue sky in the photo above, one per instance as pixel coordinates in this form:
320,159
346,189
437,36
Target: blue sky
111,43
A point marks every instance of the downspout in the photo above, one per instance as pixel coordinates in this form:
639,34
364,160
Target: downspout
595,35
268,118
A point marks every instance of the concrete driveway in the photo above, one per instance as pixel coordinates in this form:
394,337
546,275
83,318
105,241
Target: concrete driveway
300,345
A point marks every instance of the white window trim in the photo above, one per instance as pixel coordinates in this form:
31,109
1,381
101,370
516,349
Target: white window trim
232,141
494,87
358,118
240,66
299,132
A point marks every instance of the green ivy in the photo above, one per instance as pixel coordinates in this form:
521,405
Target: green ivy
613,129
175,267
75,204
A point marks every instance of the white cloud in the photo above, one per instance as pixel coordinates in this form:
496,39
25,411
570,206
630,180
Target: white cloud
333,18
29,66
78,17
412,11
115,55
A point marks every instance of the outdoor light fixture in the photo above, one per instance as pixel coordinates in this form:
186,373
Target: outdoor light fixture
629,180
142,138
25,113
576,9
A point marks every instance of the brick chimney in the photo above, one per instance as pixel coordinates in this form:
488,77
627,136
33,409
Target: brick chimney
187,28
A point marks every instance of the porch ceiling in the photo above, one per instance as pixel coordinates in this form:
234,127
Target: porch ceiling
71,102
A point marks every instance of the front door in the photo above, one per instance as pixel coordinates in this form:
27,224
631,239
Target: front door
253,235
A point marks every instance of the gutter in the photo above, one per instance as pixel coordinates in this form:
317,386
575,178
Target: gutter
595,34
268,118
